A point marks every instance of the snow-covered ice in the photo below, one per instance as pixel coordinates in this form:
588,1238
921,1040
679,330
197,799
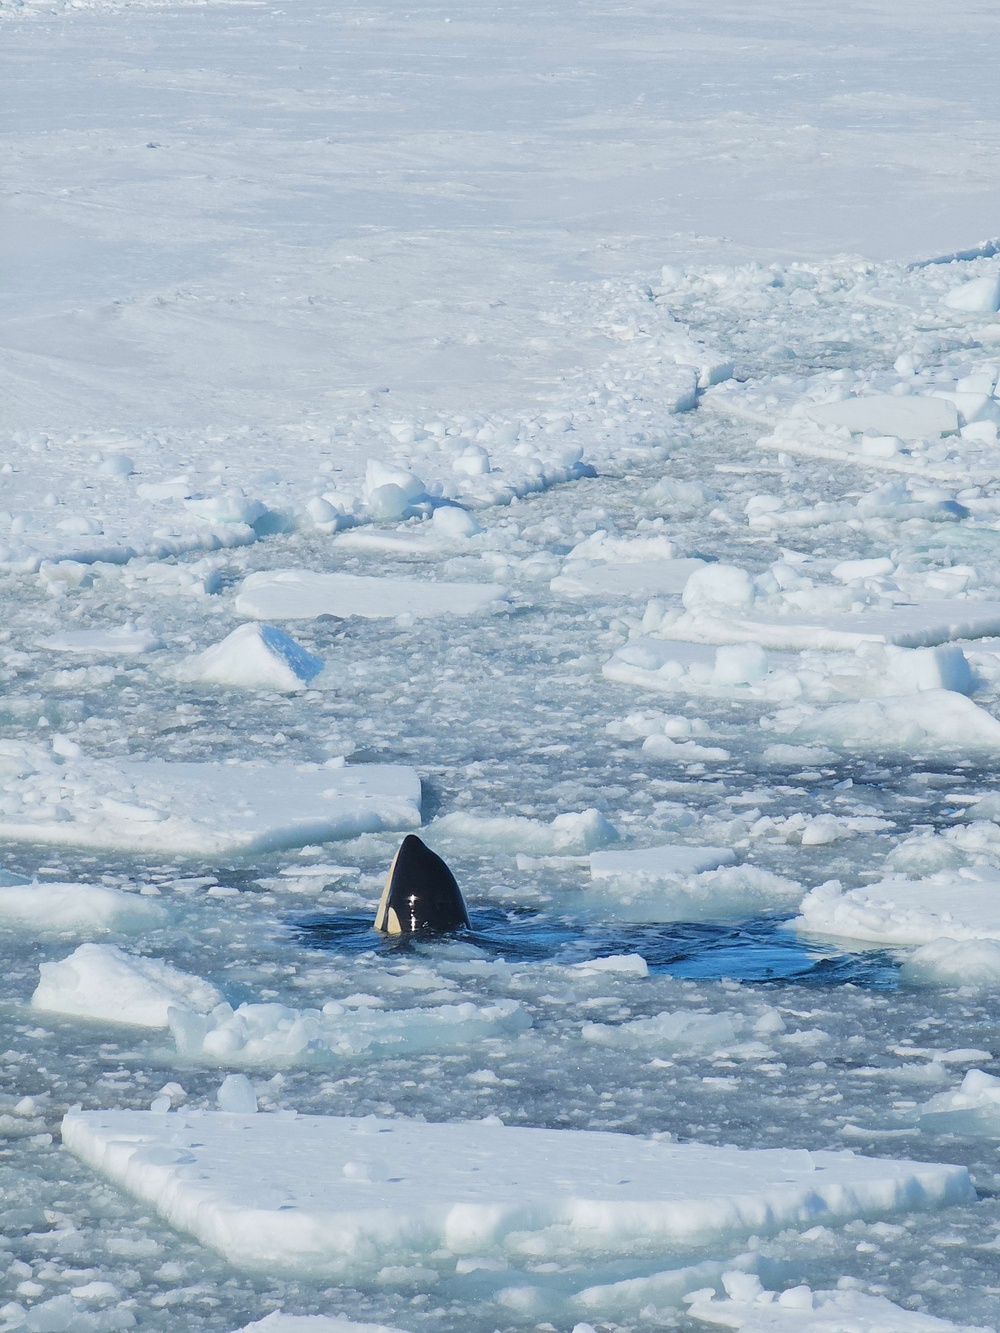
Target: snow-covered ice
303,595
276,1322
658,862
342,1198
195,809
102,982
750,1307
254,657
275,1036
962,907
80,909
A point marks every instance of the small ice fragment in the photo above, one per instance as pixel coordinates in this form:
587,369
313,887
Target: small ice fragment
236,1094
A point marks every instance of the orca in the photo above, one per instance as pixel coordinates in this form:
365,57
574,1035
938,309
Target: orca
420,894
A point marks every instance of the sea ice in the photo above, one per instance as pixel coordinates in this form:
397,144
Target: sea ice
914,417
653,863
342,1198
99,981
981,296
949,962
195,809
79,909
971,1110
279,1322
124,640
730,893
929,721
752,1309
301,594
274,1035
254,657
897,912
569,834
624,580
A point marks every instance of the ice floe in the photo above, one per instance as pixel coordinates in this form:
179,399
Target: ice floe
928,721
342,1198
958,906
300,594
101,982
657,863
727,894
682,1031
747,1306
567,835
971,1109
275,1035
279,1322
79,909
125,640
195,809
254,657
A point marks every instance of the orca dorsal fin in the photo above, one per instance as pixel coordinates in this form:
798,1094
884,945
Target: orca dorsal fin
420,893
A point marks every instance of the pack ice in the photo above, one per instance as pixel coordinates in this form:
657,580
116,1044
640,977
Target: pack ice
959,906
343,1198
300,594
193,809
749,1307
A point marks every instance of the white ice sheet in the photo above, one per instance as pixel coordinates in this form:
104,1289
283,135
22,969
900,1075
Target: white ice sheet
196,809
301,594
341,1198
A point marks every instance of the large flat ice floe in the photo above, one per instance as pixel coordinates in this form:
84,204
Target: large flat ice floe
343,1198
301,594
923,626
193,809
960,906
750,1308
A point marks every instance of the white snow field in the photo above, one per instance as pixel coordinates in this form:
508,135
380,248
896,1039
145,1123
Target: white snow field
570,433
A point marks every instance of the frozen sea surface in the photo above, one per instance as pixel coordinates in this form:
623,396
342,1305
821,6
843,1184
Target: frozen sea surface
573,302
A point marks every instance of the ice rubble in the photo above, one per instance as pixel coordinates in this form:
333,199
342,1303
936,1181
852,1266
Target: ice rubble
683,1030
951,962
101,982
195,809
79,909
301,594
932,720
279,1322
750,1308
342,1198
730,893
275,1035
972,1110
624,568
570,834
657,863
960,906
254,657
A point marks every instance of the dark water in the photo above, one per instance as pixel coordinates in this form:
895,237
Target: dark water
760,950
